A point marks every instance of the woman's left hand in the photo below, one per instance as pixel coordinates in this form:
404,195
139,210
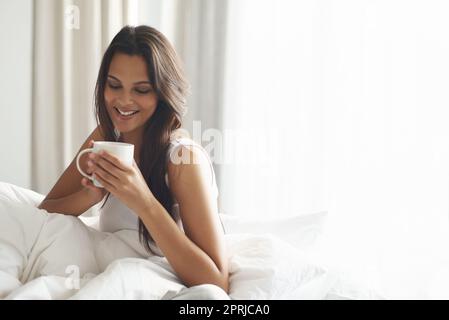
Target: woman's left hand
125,182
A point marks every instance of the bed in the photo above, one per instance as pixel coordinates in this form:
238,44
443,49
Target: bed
270,258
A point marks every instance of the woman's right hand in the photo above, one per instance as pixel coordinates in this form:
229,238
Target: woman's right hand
95,194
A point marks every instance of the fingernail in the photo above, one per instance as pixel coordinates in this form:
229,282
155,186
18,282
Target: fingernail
89,163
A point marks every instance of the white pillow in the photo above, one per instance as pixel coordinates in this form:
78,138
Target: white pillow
265,267
18,194
300,231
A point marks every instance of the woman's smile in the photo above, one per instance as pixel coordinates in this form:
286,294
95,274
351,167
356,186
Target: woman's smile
123,115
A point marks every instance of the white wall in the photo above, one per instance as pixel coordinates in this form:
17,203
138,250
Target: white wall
15,91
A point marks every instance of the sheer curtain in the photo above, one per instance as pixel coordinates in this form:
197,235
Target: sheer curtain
342,106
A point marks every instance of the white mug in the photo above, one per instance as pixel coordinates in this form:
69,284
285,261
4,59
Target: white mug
123,151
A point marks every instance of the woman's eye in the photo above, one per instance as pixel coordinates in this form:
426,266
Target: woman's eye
143,90
113,86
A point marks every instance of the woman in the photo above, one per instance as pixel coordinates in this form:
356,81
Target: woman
140,99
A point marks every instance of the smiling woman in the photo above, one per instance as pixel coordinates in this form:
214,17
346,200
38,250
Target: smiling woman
159,206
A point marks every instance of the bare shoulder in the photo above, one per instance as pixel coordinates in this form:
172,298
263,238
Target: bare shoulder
188,164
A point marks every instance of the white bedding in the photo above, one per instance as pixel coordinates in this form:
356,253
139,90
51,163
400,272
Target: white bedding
268,260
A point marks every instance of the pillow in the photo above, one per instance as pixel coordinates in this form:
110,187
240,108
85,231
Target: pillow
18,194
11,192
265,267
300,231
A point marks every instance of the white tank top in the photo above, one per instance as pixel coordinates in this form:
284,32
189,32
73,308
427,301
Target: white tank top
115,216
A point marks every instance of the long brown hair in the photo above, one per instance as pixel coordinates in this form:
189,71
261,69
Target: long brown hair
168,80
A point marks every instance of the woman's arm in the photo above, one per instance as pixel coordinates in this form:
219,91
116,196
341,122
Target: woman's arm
74,204
199,255
69,195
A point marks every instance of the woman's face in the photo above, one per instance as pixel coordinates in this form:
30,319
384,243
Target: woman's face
129,96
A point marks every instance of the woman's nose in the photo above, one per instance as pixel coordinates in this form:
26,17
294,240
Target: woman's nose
125,99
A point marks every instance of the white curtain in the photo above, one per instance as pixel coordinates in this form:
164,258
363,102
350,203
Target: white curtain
343,106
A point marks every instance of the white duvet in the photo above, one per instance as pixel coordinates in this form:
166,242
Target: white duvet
266,261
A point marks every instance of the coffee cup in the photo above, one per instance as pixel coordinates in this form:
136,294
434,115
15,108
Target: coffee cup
123,151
